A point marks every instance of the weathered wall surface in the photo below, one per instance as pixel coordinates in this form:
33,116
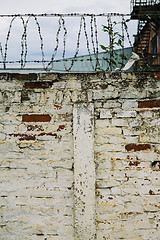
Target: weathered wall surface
51,187
127,135
36,163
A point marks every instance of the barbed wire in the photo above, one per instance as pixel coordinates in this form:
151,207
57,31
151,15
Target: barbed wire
65,15
74,14
90,44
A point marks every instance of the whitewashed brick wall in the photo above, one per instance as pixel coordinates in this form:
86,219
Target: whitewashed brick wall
79,156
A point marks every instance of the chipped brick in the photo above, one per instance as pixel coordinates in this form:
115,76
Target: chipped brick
24,96
157,76
7,109
38,169
23,137
38,85
61,127
149,104
151,192
36,118
35,127
48,134
136,163
57,107
102,85
30,76
137,147
156,165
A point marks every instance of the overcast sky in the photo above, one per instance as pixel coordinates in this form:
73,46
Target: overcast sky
64,6
49,25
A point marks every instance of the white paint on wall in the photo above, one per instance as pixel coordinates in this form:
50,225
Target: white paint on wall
84,171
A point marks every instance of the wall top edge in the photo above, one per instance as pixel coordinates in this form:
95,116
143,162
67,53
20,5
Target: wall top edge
77,76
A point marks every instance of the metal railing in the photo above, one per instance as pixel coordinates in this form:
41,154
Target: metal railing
142,3
153,60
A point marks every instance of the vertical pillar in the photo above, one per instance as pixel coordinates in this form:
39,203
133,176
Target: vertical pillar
84,171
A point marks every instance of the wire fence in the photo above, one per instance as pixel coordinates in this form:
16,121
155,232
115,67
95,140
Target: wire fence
18,40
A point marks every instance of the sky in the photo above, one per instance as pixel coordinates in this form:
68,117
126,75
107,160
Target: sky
64,6
49,26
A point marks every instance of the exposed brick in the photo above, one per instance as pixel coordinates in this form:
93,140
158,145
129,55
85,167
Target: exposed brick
36,118
61,127
156,165
57,107
5,76
137,147
30,76
24,96
103,86
100,85
48,134
37,159
27,137
41,85
7,109
23,137
101,197
151,192
34,127
149,104
157,76
136,163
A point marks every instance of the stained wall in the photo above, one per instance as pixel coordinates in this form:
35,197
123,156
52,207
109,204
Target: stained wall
79,156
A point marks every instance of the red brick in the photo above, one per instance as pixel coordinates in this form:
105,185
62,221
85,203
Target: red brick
35,127
36,118
157,76
101,196
48,134
110,198
100,85
136,163
27,137
151,192
149,104
24,137
137,147
41,85
30,76
57,107
61,127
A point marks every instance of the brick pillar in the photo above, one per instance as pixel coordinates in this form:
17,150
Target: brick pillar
84,171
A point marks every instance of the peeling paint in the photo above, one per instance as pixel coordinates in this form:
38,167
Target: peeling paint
79,156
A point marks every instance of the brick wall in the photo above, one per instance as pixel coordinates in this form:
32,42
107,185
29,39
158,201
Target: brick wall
79,156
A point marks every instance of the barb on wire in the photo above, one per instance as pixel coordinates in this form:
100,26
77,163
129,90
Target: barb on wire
57,43
24,36
77,48
65,15
4,56
91,40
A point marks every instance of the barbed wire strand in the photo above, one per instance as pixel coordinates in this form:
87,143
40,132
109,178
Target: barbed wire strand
62,24
4,56
65,15
122,27
77,46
